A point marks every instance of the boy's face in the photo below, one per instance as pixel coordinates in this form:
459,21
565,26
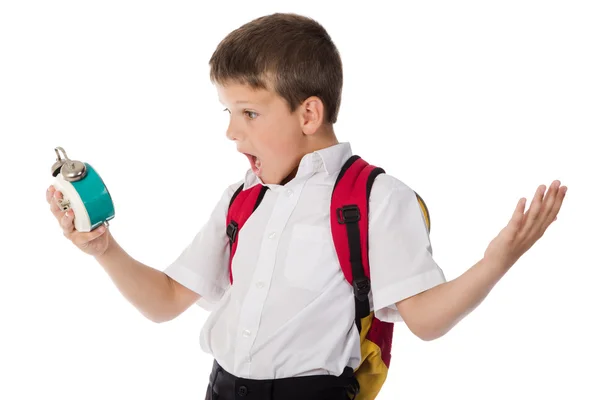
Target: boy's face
264,129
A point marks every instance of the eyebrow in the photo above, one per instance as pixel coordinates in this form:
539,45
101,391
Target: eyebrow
240,102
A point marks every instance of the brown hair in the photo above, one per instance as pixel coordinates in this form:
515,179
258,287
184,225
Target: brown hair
290,54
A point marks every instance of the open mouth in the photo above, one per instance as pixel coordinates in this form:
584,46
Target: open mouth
255,163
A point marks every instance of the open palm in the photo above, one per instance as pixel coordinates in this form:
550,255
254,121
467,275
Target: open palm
526,228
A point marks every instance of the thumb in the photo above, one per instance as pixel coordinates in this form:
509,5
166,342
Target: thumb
83,238
101,230
517,218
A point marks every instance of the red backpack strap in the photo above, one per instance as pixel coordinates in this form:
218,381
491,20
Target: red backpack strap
349,225
242,205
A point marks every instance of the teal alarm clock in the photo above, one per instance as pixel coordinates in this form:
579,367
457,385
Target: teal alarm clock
83,191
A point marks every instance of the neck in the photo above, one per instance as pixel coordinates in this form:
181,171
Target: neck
322,140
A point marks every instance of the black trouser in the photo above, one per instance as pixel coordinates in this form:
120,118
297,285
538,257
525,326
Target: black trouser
224,386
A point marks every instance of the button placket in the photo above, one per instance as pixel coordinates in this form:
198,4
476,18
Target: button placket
253,304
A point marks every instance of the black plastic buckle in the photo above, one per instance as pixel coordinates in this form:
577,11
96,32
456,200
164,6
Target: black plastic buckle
232,230
362,287
353,387
348,214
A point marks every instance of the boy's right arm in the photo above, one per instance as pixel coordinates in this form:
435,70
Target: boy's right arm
157,296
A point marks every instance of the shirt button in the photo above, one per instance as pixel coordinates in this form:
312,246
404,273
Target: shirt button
289,193
272,235
260,285
243,391
246,333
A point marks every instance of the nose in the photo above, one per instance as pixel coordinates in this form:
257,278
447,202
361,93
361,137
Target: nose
232,132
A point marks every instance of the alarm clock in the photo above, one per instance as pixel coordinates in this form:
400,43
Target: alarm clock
83,191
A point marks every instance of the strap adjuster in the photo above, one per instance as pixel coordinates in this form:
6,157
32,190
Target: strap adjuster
354,387
362,287
232,231
348,214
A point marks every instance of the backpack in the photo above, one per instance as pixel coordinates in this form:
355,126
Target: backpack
349,224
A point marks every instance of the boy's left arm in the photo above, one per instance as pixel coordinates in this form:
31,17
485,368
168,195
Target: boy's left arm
432,313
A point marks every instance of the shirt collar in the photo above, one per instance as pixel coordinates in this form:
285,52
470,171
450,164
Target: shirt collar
330,160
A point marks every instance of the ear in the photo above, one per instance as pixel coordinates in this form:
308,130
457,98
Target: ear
312,114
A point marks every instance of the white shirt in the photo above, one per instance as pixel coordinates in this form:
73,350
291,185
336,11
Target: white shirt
290,311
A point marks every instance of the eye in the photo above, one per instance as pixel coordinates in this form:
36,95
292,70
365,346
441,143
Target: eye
251,114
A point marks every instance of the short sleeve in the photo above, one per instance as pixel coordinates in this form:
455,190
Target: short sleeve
400,257
203,266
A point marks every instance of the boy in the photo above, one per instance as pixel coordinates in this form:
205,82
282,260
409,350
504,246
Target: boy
285,329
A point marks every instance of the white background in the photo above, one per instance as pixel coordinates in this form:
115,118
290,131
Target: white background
473,104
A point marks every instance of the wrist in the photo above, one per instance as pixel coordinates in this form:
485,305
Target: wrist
111,247
498,264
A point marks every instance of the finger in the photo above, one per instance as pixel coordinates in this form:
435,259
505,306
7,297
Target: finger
532,214
83,238
66,222
516,221
54,206
517,218
50,193
552,216
548,203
